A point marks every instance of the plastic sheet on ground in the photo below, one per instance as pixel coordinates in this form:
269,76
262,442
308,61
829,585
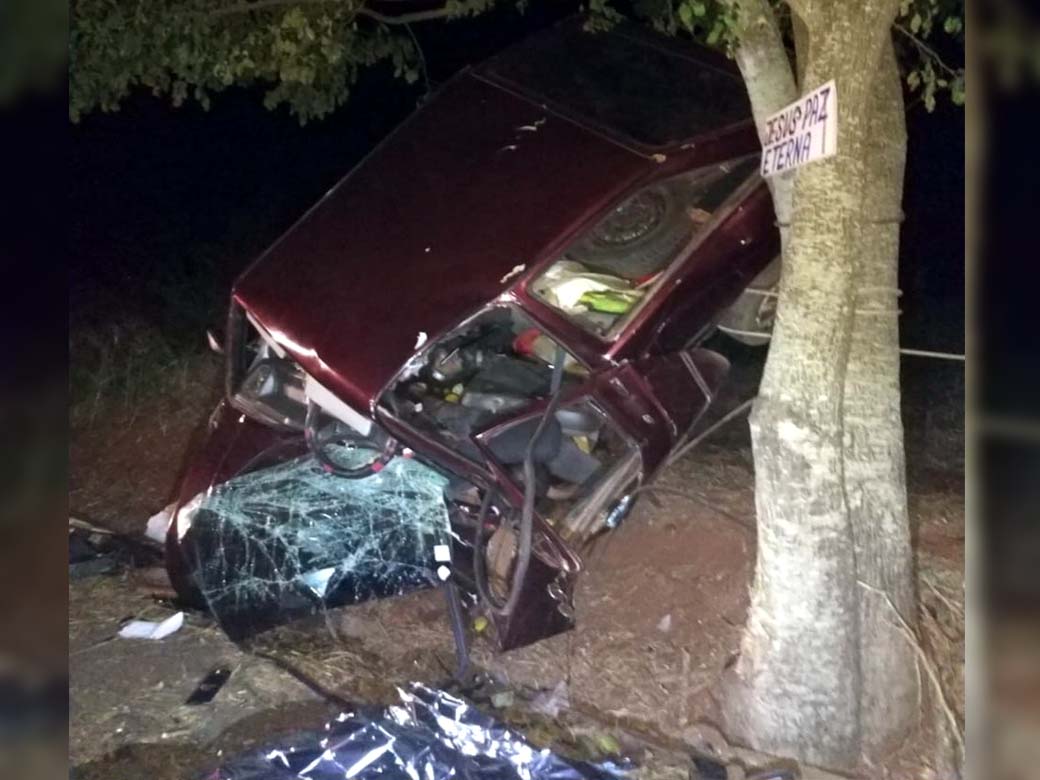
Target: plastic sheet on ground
277,542
431,735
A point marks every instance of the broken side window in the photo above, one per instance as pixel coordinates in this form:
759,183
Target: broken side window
605,276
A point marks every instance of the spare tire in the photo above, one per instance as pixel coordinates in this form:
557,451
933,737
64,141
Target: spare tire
639,237
750,319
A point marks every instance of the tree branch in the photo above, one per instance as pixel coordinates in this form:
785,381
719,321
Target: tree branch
263,5
925,49
408,18
391,19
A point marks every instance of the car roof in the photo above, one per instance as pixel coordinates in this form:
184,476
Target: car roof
638,86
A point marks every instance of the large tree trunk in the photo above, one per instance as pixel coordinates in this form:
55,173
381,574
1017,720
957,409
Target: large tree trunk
796,687
875,472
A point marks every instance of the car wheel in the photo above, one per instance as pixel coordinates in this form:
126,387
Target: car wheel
750,319
639,237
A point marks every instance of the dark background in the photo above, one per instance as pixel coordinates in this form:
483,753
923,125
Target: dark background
170,204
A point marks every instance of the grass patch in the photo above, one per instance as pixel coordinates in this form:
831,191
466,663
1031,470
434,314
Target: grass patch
115,368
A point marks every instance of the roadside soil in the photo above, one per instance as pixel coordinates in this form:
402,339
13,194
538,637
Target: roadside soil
659,613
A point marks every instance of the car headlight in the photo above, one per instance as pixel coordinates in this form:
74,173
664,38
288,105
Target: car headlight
263,381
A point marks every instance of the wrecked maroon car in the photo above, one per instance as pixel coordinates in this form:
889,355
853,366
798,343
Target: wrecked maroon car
461,365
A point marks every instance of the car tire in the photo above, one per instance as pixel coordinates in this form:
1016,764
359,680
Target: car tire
753,313
639,237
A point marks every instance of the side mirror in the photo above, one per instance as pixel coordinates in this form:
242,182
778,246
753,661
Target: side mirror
214,343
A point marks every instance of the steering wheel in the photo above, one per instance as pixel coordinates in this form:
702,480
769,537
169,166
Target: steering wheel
337,433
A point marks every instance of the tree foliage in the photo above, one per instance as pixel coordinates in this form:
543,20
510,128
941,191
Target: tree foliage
717,23
307,54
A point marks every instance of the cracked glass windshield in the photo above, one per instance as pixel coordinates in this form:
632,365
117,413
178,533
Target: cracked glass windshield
286,538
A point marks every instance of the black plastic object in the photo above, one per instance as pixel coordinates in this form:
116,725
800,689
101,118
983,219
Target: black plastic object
708,768
505,374
431,734
510,445
86,559
572,464
209,686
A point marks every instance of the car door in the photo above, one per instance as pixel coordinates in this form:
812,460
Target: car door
660,398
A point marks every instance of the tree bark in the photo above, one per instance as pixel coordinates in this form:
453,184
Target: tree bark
875,471
796,687
770,83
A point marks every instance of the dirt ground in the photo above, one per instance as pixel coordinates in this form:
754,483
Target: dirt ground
659,613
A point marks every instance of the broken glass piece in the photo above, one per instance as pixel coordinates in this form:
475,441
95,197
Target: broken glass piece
291,539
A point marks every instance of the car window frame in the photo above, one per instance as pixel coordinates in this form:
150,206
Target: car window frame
630,320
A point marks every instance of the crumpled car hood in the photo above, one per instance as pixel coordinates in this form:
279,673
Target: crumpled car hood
428,228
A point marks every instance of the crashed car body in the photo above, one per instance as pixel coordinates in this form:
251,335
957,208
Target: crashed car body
464,361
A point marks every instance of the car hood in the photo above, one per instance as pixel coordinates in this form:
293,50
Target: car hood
431,226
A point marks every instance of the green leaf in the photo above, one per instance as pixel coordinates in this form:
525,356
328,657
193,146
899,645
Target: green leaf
915,23
716,32
686,16
953,25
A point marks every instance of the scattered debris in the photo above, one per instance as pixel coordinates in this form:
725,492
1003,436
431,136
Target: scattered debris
150,629
209,686
94,550
664,625
89,555
550,703
502,699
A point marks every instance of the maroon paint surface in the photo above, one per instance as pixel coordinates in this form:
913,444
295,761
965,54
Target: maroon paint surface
423,231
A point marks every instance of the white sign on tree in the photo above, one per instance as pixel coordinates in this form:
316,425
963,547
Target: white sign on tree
805,131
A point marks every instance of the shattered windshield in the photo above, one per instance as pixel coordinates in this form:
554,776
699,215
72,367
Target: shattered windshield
288,539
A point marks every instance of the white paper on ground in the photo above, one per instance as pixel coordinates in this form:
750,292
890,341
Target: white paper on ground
158,524
150,629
